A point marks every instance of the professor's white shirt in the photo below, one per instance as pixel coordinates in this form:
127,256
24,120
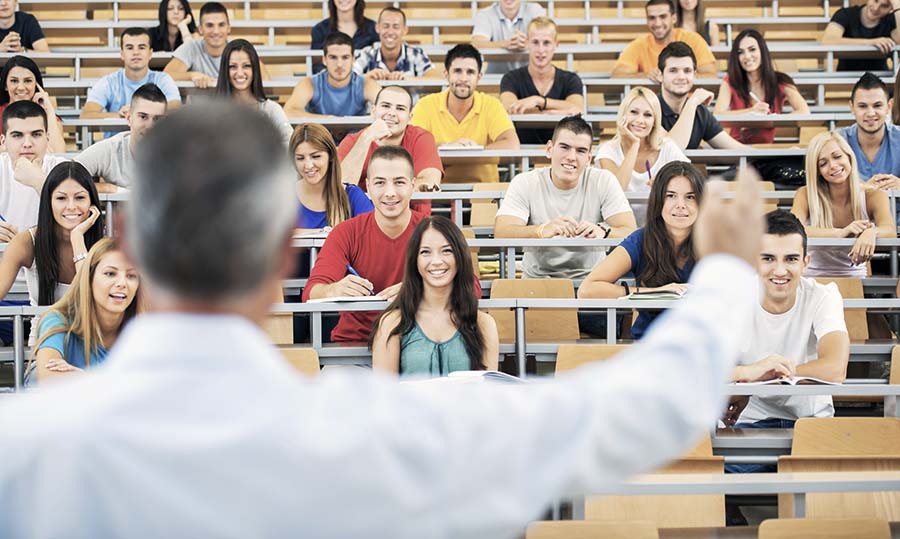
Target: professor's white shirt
195,427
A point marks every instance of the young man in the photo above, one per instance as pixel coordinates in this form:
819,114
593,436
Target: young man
567,199
641,56
875,142
364,242
20,32
111,95
874,23
798,329
112,160
502,26
694,122
390,127
198,60
540,87
462,116
337,90
23,166
391,57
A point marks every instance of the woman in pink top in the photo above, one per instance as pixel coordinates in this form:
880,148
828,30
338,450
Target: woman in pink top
753,86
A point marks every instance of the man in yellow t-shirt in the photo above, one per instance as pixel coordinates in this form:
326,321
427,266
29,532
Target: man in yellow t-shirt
641,56
462,117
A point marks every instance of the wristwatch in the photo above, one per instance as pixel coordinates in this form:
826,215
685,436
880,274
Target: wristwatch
606,229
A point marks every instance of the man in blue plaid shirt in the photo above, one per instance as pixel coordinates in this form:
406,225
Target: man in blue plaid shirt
392,58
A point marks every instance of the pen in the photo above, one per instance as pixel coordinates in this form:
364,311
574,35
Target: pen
758,100
649,176
2,218
354,272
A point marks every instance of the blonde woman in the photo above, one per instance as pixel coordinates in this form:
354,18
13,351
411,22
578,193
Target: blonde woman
77,332
836,204
640,147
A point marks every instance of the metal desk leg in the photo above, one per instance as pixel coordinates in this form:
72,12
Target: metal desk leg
313,252
520,340
109,218
457,212
800,505
18,351
503,263
578,508
893,262
890,406
511,263
315,329
611,326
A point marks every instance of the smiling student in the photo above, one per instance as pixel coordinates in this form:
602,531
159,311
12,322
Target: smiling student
391,57
198,60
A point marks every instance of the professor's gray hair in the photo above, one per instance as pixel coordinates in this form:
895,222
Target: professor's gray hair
213,202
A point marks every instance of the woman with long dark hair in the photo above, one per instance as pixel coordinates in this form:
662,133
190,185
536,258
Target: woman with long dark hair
691,15
754,86
434,327
661,254
347,16
240,79
176,26
21,80
69,224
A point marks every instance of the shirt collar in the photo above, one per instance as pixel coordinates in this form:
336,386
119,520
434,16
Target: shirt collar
379,57
519,16
476,104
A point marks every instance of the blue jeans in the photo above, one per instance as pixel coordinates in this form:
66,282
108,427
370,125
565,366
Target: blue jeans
6,326
771,423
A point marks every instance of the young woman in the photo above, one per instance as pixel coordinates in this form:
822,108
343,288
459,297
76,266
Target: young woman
434,326
69,224
324,200
78,331
176,26
241,79
660,255
836,204
691,15
347,16
639,149
753,86
20,80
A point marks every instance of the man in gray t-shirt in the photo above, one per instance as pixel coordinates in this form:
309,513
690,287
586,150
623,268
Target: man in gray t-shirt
112,160
567,199
198,60
504,25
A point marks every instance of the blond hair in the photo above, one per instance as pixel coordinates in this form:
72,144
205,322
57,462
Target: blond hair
542,22
655,137
818,191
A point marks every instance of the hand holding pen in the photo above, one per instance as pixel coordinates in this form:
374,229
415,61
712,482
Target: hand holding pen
352,285
8,231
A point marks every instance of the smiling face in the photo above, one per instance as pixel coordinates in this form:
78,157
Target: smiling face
569,154
463,77
436,260
394,107
338,61
749,54
688,5
390,185
174,12
678,76
143,115
834,163
660,21
20,84
541,45
7,9
25,138
781,263
114,284
344,6
876,9
870,108
311,163
639,118
240,71
679,210
391,30
214,28
71,204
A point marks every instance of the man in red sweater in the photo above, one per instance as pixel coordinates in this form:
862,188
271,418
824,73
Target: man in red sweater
373,244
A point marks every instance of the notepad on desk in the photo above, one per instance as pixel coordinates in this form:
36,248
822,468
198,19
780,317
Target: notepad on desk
346,299
656,294
789,381
455,147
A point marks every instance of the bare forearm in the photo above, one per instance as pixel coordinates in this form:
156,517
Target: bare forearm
600,290
516,231
352,164
321,290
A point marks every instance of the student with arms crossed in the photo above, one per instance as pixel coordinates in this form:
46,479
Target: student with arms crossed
364,243
434,327
873,23
112,160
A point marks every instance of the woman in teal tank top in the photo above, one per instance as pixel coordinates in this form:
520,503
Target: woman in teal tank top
434,326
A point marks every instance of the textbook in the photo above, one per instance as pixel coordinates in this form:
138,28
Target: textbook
467,377
659,294
347,299
792,381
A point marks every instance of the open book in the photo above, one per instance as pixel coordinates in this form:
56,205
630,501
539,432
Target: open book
346,299
660,294
792,381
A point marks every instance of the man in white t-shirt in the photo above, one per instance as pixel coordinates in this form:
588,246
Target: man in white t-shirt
798,330
567,199
23,166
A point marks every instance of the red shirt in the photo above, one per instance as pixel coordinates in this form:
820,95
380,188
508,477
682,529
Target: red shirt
420,145
378,258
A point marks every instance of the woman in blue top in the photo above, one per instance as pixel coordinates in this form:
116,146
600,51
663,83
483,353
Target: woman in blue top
77,331
434,327
661,254
324,200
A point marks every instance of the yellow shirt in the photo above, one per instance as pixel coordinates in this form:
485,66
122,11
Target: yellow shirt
642,54
486,121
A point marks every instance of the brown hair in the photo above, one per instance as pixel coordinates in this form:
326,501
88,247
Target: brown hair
337,204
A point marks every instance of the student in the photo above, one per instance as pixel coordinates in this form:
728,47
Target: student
20,32
336,91
753,86
641,56
540,87
364,243
661,254
873,23
391,127
21,80
68,225
835,204
798,329
391,57
691,15
325,201
693,122
434,327
23,166
502,25
110,96
567,199
198,60
240,78
112,160
176,26
640,147
347,17
77,332
461,116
